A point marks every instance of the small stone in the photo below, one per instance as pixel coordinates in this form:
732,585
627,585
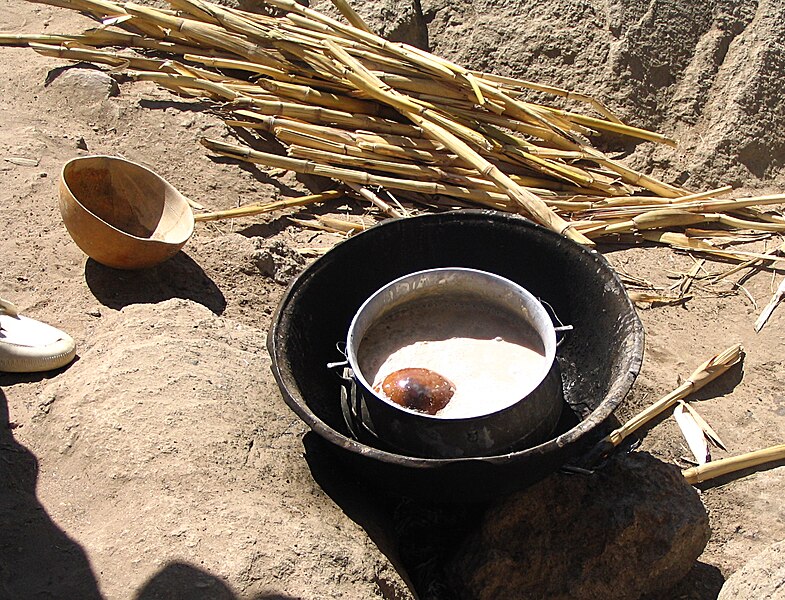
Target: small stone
81,143
277,260
45,402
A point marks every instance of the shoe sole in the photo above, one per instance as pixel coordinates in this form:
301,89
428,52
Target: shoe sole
16,357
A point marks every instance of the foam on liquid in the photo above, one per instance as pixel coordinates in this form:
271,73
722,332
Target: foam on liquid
491,357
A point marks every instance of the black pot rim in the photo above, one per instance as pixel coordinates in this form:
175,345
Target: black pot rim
605,408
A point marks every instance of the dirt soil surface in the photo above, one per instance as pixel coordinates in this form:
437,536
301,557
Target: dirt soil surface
167,465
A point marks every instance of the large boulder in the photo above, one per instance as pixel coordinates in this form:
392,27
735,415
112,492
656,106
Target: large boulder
704,72
167,453
633,528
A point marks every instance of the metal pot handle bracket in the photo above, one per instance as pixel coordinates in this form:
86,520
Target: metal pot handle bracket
351,401
558,326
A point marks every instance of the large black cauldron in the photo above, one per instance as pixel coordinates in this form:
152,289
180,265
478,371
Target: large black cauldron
599,360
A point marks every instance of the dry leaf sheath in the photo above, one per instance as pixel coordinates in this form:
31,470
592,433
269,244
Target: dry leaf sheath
708,430
693,433
766,312
704,374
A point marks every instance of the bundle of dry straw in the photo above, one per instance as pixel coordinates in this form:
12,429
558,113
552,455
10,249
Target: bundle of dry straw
349,105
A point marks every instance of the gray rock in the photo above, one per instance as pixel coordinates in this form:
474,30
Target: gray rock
85,85
277,260
633,528
762,578
395,20
701,72
84,96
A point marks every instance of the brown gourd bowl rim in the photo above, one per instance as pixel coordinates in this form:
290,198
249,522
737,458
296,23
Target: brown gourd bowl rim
177,194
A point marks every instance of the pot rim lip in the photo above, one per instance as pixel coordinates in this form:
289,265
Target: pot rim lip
180,241
548,338
573,435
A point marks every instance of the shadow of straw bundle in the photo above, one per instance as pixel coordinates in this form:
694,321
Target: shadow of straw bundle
352,106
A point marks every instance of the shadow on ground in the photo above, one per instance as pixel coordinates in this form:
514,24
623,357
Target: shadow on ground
181,581
39,560
415,536
7,379
178,277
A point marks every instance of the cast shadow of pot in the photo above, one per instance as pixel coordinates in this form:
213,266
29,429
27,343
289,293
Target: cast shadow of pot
362,503
178,277
415,536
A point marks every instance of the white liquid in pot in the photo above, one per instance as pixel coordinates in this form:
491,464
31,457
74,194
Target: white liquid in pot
494,359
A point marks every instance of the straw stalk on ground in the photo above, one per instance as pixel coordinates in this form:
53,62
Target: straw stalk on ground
704,374
363,110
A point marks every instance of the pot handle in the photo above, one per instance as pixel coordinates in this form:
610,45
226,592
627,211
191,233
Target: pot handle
558,326
351,401
352,407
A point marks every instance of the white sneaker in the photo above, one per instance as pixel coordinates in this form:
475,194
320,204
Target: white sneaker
29,346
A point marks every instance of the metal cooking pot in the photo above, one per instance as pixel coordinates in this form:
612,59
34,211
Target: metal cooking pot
521,417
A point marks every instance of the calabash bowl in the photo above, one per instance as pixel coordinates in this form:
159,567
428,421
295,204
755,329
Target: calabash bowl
121,214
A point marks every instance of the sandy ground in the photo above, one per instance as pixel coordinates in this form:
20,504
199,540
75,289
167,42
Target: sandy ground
143,488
